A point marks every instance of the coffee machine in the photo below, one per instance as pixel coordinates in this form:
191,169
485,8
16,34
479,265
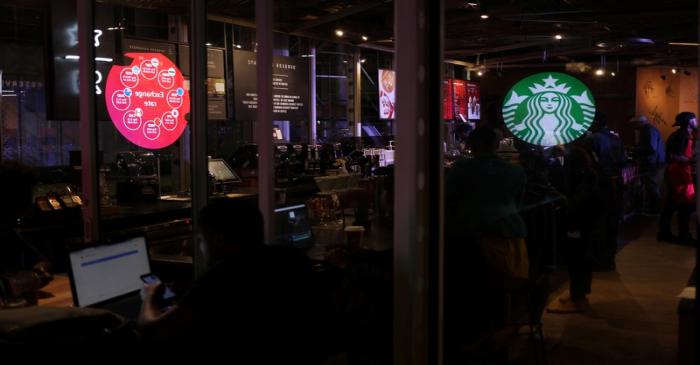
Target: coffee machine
137,176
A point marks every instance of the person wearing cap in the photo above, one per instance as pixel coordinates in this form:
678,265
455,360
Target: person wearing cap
680,190
651,156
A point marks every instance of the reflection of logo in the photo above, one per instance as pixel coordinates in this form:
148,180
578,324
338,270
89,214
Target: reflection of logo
548,109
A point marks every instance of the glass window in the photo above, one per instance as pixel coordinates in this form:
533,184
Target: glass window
32,134
144,134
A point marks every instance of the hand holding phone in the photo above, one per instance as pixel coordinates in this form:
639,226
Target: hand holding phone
168,295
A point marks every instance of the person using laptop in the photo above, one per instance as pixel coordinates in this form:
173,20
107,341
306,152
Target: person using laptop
254,301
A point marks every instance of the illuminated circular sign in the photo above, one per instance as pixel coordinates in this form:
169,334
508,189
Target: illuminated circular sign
548,109
147,100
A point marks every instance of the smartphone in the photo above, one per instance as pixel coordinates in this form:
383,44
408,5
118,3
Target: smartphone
152,279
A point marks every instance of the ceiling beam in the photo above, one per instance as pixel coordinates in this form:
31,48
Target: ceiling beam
509,47
355,9
249,24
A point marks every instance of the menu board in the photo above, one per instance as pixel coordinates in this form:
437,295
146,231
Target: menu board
473,101
387,94
448,112
290,87
459,96
147,100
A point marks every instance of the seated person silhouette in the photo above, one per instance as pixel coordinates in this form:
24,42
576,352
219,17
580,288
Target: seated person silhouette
253,302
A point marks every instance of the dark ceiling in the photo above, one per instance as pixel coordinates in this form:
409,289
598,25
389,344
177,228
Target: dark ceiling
516,34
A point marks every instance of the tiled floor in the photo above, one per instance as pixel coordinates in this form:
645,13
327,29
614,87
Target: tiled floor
633,316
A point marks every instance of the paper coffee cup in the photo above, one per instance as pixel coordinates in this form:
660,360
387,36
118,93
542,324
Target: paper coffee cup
353,235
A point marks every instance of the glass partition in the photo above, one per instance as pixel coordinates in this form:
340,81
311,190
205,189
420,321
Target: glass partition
35,223
142,104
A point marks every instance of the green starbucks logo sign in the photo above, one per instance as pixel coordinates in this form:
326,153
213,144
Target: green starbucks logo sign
548,109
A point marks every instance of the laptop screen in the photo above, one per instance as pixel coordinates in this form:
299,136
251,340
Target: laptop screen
105,272
293,226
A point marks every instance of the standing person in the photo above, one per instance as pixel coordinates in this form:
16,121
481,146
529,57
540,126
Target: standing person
582,191
608,155
484,235
651,154
680,191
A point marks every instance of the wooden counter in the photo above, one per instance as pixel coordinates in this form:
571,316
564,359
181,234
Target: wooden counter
57,293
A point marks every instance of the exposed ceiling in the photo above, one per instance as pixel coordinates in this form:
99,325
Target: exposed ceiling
516,32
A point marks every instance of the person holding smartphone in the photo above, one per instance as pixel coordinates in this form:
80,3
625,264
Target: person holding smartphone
253,301
168,297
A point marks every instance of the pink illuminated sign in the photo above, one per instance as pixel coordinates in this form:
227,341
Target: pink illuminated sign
147,100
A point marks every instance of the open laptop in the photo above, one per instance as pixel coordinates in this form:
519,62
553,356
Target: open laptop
108,276
292,226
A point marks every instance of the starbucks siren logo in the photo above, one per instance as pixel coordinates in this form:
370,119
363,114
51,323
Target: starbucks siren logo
548,109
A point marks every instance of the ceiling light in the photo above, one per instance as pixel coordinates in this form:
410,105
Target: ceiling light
613,74
362,60
472,4
640,40
674,71
484,16
599,72
690,44
364,38
558,37
339,32
238,46
480,73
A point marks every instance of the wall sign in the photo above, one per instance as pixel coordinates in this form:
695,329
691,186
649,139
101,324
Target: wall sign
473,101
387,94
548,109
147,100
63,77
290,87
460,99
447,103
